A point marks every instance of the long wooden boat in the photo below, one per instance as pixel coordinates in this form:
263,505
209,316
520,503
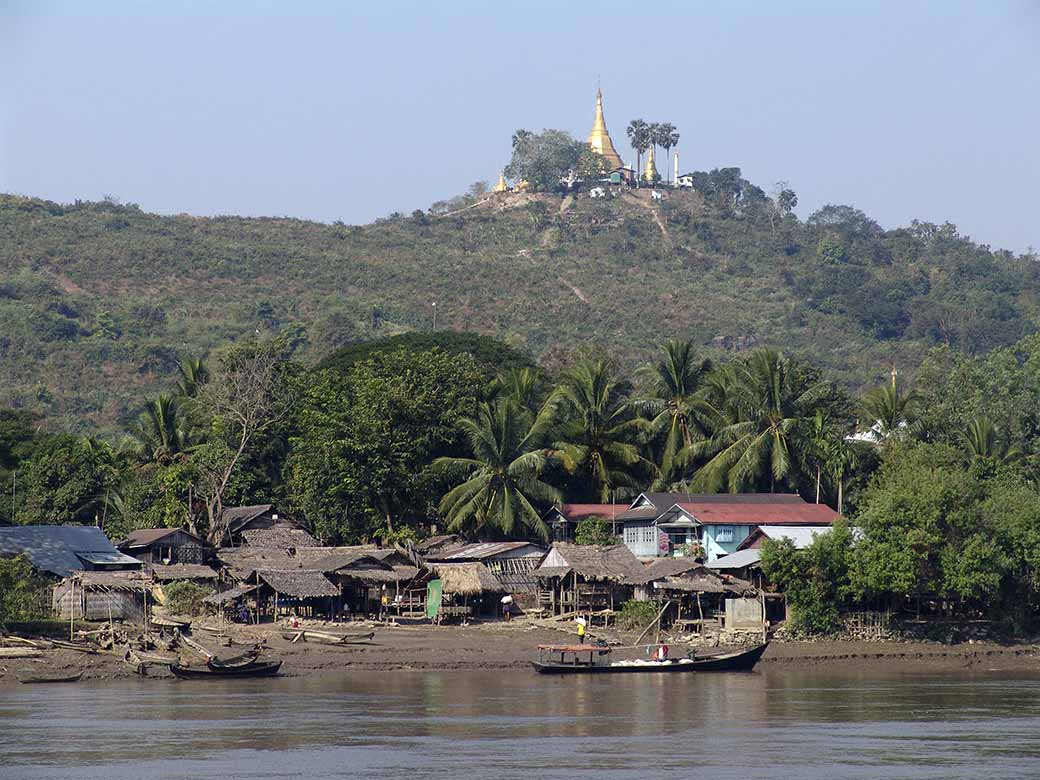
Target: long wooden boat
594,659
47,678
258,669
302,635
244,659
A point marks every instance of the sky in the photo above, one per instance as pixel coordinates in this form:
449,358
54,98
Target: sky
351,111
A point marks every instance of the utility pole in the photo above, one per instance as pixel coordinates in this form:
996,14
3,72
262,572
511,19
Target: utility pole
434,305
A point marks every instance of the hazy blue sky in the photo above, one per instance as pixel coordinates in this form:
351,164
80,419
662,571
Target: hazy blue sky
352,110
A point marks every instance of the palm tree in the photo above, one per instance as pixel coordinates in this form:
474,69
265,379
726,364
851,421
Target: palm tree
676,405
667,138
842,457
193,375
983,441
502,480
160,430
760,417
523,386
598,428
890,410
639,137
819,435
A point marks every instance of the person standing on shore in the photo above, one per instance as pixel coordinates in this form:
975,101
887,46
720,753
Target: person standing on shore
581,630
507,607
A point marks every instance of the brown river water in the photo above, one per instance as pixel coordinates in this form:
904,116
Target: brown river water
772,724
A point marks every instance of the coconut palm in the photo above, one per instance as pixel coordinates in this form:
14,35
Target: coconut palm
160,430
982,440
598,430
501,483
523,386
676,405
889,410
193,375
765,404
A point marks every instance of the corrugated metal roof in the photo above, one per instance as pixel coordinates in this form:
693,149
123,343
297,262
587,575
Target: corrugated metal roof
106,558
800,535
56,549
576,512
737,560
483,550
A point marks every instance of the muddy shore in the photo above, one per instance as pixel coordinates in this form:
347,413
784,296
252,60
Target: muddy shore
512,646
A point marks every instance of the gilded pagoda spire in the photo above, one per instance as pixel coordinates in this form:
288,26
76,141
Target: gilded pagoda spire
501,186
599,138
650,174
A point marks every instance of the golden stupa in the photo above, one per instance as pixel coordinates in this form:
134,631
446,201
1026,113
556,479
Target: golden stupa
650,171
599,138
501,186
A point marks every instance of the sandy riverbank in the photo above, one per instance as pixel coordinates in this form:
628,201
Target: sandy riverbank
512,646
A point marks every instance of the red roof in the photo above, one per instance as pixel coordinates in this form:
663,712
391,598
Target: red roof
576,512
760,512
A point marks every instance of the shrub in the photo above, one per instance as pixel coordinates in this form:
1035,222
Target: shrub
24,594
594,530
185,598
636,615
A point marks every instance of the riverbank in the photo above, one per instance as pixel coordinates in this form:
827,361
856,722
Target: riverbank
502,646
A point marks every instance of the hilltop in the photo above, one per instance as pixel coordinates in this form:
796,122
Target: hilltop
99,300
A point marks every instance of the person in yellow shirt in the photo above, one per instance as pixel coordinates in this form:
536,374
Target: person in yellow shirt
581,630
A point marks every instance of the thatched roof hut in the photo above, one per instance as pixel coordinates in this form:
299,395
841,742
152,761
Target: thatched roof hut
467,579
298,584
614,563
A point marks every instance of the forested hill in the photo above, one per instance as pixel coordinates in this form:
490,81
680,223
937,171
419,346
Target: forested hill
99,300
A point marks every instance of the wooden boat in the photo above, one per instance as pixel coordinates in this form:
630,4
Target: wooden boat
48,678
307,635
594,659
257,669
244,659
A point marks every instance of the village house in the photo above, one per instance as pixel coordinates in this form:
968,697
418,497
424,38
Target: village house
576,577
97,582
164,546
511,563
711,525
563,519
263,526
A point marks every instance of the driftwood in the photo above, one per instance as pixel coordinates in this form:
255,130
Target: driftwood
61,644
20,652
189,642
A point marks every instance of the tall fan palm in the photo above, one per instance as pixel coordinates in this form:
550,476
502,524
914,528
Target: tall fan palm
502,480
889,410
598,429
667,139
639,137
766,403
160,430
982,440
676,406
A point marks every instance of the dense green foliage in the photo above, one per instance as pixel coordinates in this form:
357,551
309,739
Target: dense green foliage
100,302
594,530
24,595
186,598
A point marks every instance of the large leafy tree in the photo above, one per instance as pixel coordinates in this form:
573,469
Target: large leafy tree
65,481
675,404
544,159
501,488
364,437
598,431
761,408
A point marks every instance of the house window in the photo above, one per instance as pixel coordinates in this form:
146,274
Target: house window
649,534
724,534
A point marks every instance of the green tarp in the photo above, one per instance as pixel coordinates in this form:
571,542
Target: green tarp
433,598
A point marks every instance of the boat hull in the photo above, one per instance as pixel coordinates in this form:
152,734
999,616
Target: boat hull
259,669
743,661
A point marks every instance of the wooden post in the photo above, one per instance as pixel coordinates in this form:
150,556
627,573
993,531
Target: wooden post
72,606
